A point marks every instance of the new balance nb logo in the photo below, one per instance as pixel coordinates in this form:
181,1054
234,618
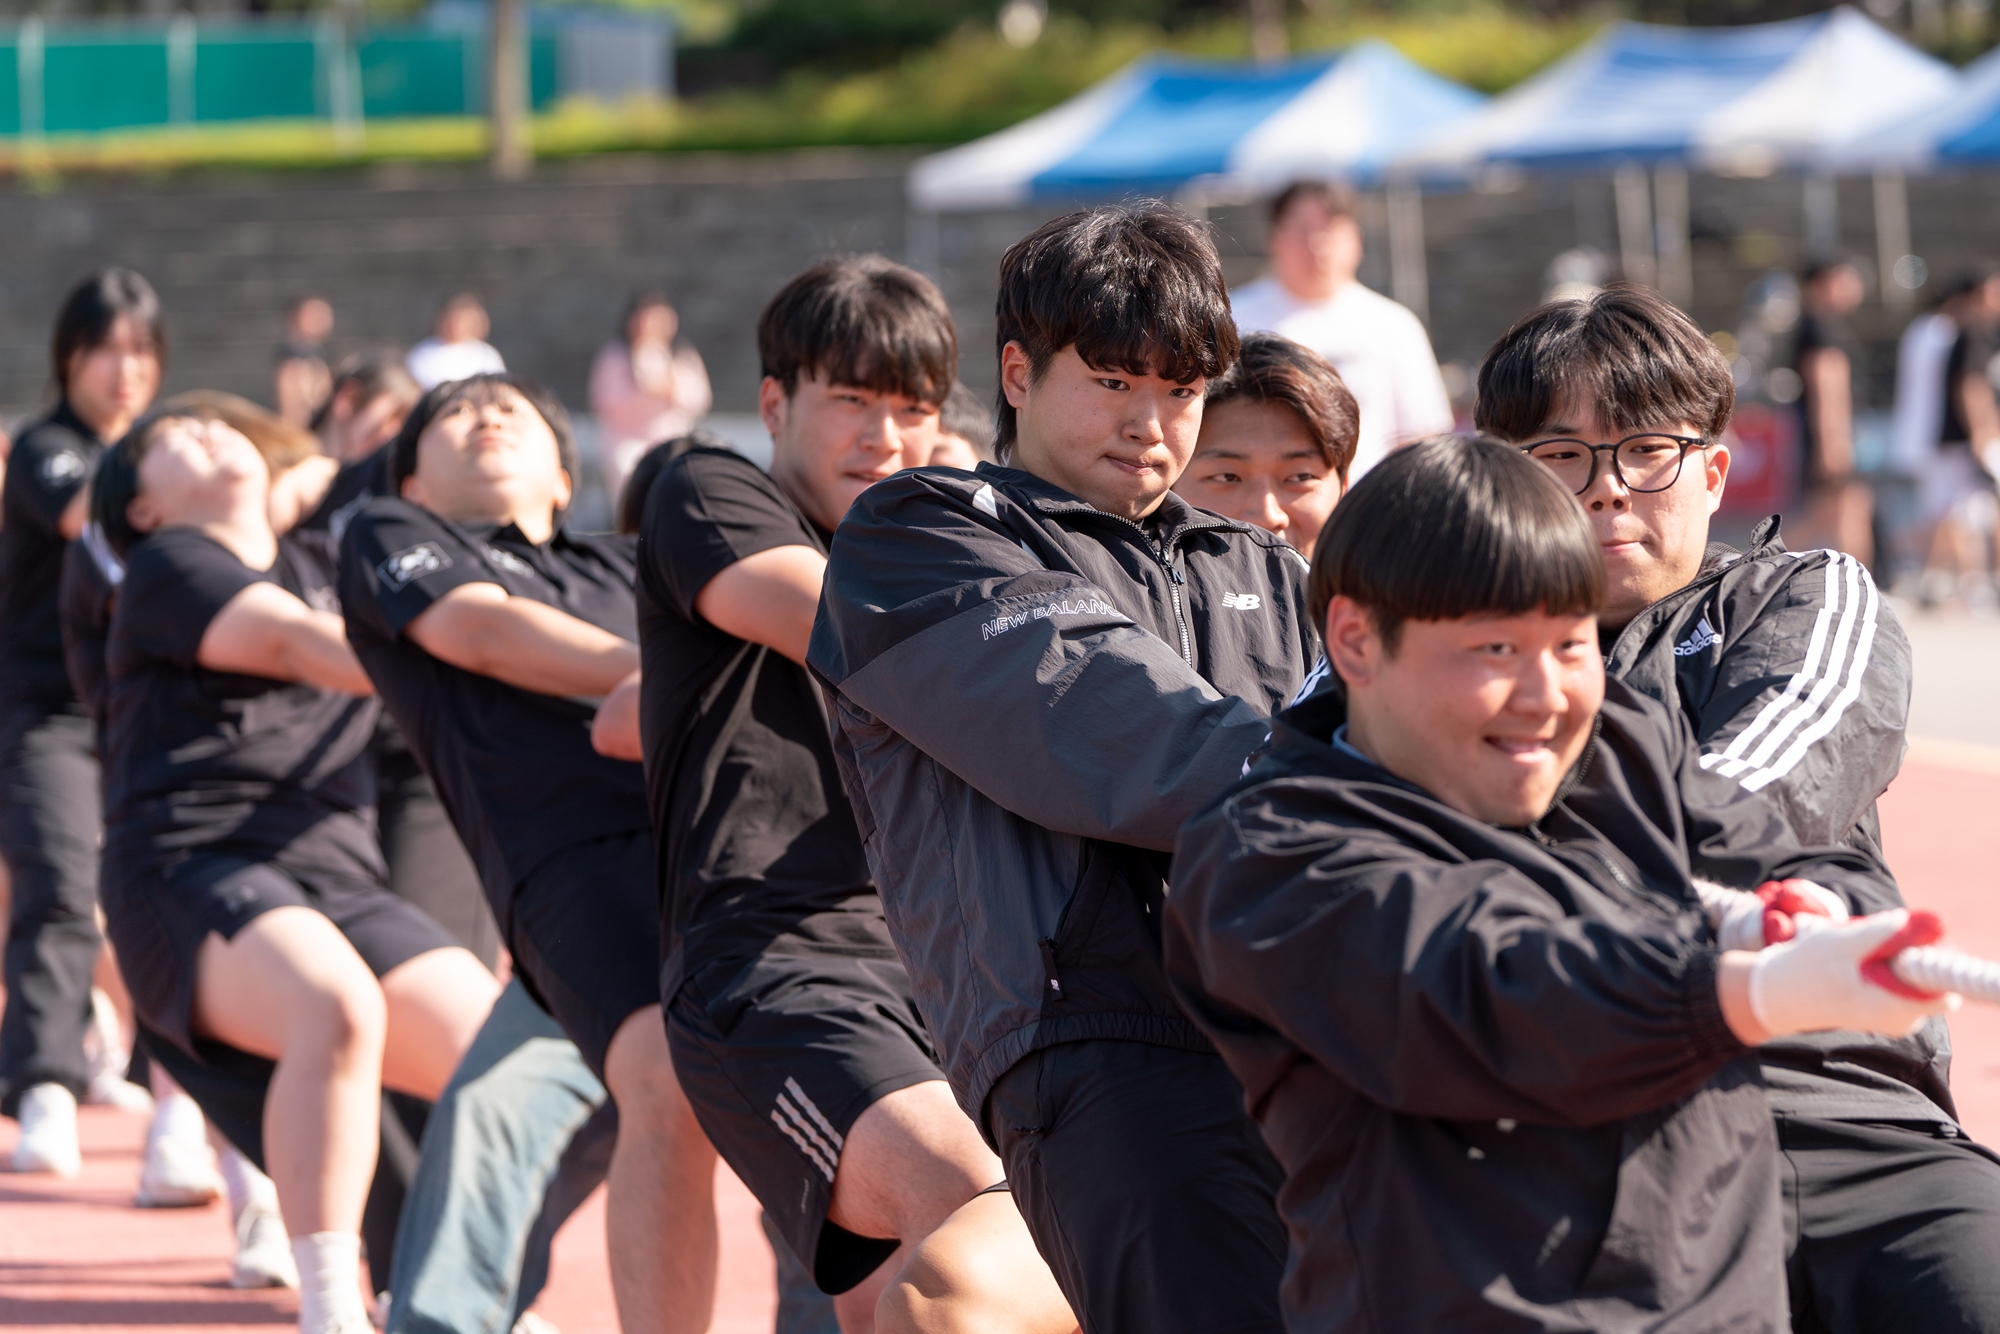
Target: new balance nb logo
412,563
1704,635
1242,601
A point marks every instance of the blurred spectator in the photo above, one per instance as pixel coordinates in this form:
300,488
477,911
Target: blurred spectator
1278,431
1837,508
1312,296
457,349
1958,494
632,496
302,379
644,388
369,397
965,431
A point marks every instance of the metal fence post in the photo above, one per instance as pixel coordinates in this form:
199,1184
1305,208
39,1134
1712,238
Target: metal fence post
180,70
28,70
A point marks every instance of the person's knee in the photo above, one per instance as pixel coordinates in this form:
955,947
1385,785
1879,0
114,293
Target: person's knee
342,1014
639,1070
946,1288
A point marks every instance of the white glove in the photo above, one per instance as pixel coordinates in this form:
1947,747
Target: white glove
1751,920
1814,982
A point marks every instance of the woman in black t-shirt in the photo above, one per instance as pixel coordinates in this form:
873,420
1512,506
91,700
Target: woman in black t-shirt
243,883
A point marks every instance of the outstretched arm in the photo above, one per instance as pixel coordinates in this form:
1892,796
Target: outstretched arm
481,628
769,598
265,631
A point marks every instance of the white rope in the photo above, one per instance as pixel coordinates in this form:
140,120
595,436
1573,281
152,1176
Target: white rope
1925,967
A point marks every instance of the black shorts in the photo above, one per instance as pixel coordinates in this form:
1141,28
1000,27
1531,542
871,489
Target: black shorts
779,1055
1145,1186
158,927
584,930
1894,1226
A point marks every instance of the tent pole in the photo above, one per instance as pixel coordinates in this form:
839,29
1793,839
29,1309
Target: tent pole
1409,271
922,242
1670,233
1635,223
1822,208
1892,236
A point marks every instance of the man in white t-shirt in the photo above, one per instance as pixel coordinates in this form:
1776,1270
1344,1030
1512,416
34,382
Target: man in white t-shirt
458,349
1311,296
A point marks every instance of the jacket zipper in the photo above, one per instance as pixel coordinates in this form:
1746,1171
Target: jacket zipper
1174,581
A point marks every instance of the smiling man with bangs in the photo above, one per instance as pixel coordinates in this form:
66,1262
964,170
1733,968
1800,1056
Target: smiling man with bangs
1446,932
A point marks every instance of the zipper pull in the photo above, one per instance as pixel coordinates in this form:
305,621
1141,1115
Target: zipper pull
1049,967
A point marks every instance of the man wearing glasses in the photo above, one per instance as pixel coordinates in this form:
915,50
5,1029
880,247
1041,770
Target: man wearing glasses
1796,678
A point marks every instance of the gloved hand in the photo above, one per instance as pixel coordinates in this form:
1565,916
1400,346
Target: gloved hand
1752,922
1815,982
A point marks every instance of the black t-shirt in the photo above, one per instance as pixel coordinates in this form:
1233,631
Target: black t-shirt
1818,333
757,842
1969,356
91,573
50,463
347,495
514,768
197,760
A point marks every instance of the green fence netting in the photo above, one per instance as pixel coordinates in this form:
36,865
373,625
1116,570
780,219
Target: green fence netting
70,79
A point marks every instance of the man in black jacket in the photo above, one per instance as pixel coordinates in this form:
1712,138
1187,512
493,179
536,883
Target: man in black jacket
1038,672
1447,934
1795,678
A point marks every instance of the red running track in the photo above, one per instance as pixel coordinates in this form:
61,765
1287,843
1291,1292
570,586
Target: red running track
76,1255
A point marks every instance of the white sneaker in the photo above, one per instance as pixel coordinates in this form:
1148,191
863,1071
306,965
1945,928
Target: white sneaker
113,1090
48,1132
177,1173
263,1251
530,1323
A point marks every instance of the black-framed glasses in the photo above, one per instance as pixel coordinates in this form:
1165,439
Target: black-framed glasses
1650,462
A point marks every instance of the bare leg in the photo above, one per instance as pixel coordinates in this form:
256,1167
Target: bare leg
290,988
660,1204
911,1162
436,1003
980,1262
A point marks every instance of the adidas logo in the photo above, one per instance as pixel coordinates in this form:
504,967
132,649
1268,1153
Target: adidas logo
1704,635
1242,601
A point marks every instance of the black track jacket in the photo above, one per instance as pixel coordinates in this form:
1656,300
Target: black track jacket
1492,1061
1030,697
1795,676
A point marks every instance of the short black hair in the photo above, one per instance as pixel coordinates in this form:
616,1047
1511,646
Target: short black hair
865,321
403,449
966,417
372,375
1274,369
96,304
1339,200
1624,351
632,499
1132,287
1457,526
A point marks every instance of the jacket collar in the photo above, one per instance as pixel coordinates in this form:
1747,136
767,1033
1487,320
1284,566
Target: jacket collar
1764,541
1173,519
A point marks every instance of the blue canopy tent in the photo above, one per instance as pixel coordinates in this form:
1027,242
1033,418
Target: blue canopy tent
1962,130
1750,100
1170,124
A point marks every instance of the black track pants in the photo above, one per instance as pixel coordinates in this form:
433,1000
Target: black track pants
1897,1228
1145,1187
50,820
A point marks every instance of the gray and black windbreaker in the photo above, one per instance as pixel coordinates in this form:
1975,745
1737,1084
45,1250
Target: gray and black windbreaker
1030,696
1795,676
